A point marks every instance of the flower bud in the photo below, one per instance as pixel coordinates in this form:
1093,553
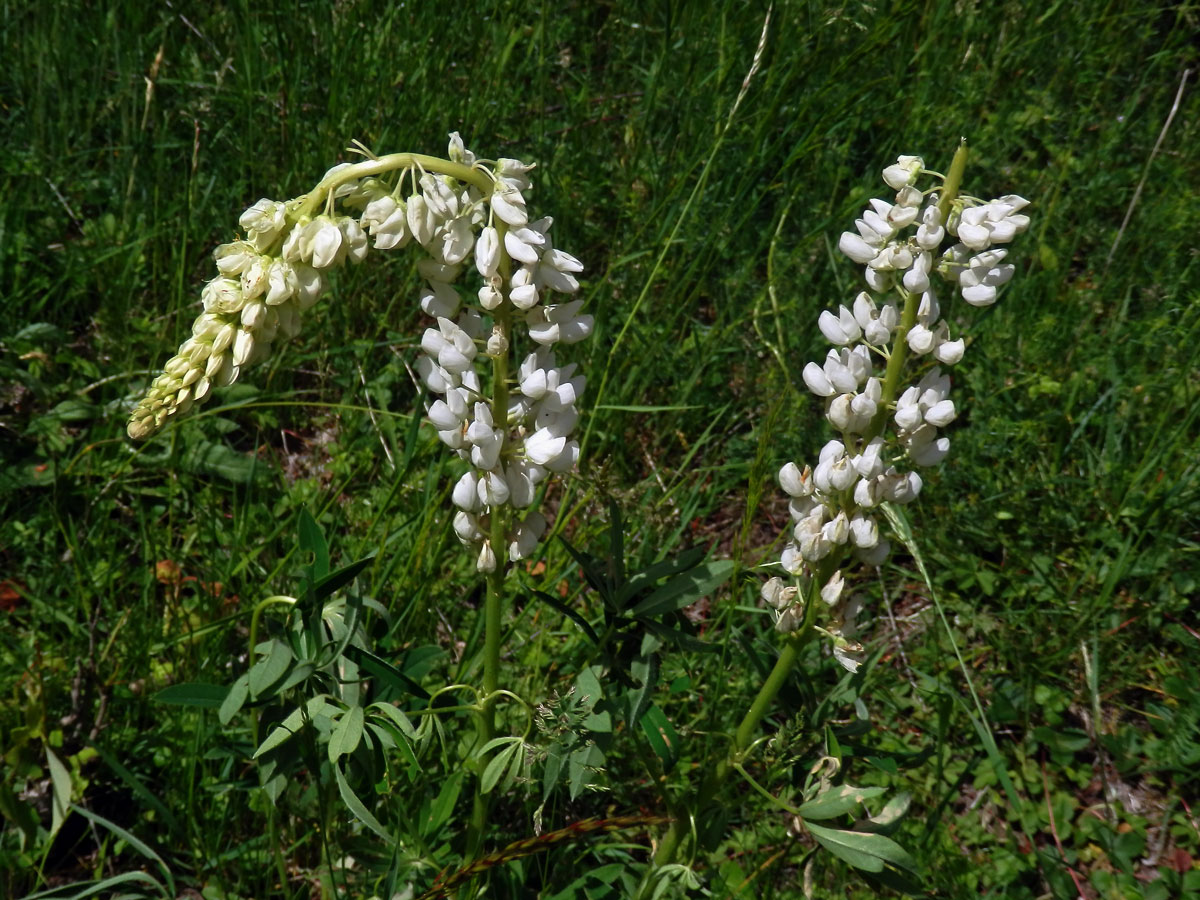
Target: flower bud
486,562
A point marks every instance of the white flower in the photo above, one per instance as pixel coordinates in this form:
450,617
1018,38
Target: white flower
930,233
508,204
525,535
513,173
465,494
449,345
524,244
264,222
386,220
776,595
832,591
794,482
487,252
466,526
458,153
903,172
840,329
858,248
223,295
486,562
551,324
421,222
557,271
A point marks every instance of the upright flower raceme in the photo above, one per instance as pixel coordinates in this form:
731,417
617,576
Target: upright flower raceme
513,425
885,390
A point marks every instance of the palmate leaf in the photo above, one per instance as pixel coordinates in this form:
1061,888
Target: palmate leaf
385,671
685,588
664,569
239,692
313,541
295,720
499,763
334,581
446,882
575,617
439,811
276,658
583,763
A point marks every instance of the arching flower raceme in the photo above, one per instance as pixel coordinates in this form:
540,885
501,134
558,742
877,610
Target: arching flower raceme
513,432
885,390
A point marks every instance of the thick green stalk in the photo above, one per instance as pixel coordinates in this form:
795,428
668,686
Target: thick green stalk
390,163
744,736
912,304
681,824
486,718
498,534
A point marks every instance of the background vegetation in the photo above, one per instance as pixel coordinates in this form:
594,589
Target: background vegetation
1061,535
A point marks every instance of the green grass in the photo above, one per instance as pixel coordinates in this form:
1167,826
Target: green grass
1061,535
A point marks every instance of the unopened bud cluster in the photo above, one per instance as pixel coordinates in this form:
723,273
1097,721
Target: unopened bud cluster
462,212
887,429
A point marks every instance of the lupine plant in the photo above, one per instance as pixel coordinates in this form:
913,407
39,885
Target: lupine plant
887,397
510,417
500,399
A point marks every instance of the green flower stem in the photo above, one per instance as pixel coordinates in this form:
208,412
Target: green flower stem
390,163
789,653
912,304
486,719
492,620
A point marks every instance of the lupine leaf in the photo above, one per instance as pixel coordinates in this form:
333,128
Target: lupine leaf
357,807
648,576
565,610
208,458
837,801
339,579
661,735
346,734
138,787
102,887
443,805
497,764
583,761
60,791
235,699
399,718
313,541
381,668
862,850
271,668
685,588
281,732
193,693
400,744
